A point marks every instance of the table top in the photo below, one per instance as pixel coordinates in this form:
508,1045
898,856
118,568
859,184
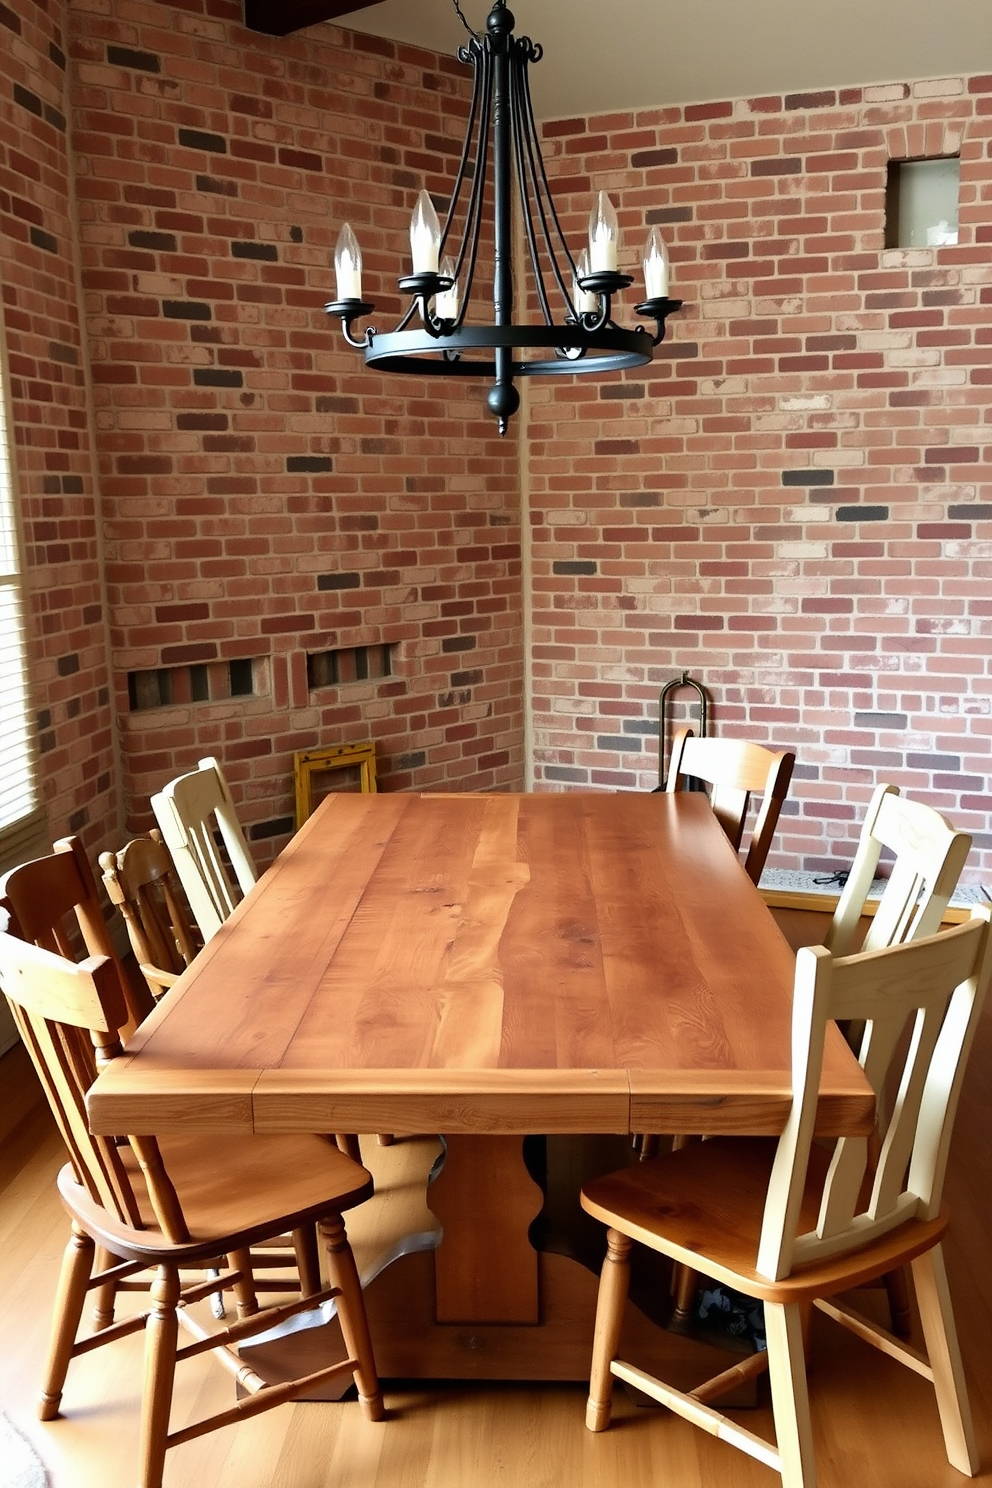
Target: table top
489,964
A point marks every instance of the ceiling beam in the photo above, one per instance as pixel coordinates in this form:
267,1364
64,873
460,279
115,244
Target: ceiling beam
280,17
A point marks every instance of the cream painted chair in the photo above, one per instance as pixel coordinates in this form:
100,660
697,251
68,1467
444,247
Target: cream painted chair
200,827
785,1222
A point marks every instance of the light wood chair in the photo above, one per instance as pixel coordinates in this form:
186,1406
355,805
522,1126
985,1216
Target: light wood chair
176,1204
734,770
791,1223
141,881
929,857
200,827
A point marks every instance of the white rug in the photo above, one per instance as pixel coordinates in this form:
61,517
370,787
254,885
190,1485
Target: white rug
20,1465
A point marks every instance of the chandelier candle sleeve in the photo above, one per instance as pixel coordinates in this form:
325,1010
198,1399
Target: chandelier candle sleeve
348,265
446,300
655,266
425,236
604,236
583,300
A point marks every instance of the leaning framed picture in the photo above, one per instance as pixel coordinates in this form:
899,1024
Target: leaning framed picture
340,767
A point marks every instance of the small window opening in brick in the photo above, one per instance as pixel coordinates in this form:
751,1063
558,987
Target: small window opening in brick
165,686
921,202
350,664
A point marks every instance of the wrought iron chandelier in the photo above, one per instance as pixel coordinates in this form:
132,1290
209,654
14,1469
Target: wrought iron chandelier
502,138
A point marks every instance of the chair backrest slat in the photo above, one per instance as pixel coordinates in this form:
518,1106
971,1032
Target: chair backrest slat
929,857
734,770
192,811
936,986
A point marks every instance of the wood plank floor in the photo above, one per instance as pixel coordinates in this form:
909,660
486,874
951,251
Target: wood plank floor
875,1422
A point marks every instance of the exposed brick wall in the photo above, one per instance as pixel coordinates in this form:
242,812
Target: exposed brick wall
794,501
52,456
265,496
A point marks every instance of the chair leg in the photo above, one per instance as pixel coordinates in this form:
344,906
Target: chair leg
244,1290
105,1297
900,1312
790,1394
70,1299
349,1145
941,1337
613,1285
686,1285
161,1336
307,1259
351,1315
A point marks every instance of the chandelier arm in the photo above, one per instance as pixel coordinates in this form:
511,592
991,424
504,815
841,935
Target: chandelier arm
523,151
473,220
470,128
543,191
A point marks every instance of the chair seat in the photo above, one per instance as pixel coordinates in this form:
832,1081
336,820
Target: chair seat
246,1190
675,1204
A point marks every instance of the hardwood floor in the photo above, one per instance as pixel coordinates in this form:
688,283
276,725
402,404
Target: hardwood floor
876,1424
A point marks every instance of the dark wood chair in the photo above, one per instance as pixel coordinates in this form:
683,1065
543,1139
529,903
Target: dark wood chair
733,770
792,1224
173,1205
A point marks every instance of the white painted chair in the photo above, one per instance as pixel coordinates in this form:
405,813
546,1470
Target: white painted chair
929,856
784,1222
200,827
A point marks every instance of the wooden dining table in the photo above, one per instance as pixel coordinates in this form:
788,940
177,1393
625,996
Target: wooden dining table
503,972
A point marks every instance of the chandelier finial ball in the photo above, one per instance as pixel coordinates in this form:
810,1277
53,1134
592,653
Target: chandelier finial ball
503,400
500,19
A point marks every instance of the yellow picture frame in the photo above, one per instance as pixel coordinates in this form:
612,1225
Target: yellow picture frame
351,765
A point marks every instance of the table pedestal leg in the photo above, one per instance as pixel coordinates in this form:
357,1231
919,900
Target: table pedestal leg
485,1268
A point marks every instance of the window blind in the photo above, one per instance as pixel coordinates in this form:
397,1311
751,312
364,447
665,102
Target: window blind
21,819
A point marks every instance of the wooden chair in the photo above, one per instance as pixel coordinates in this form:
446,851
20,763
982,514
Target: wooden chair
54,904
200,827
791,1223
734,770
929,856
174,1204
141,881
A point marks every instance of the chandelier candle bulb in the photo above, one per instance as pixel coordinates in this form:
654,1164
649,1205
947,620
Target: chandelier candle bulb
655,266
425,236
348,265
604,236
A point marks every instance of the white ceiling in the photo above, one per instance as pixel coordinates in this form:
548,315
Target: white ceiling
602,55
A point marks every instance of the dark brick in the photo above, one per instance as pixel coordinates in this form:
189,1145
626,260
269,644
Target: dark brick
265,251
55,52
198,139
27,100
312,463
621,390
573,566
186,310
166,242
141,61
452,644
68,665
862,514
933,761
667,214
567,774
10,20
339,581
975,511
55,117
45,240
645,158
279,826
217,188
468,679
217,377
416,758
807,477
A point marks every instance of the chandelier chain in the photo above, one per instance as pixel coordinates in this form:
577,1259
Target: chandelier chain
461,16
